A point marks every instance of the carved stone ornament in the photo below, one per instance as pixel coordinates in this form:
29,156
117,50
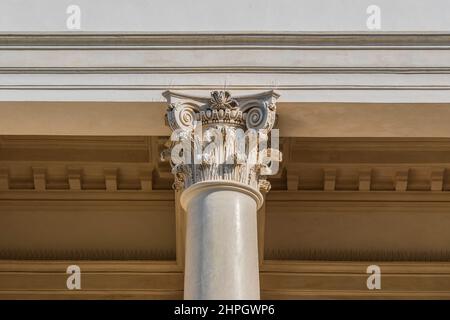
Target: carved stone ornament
222,138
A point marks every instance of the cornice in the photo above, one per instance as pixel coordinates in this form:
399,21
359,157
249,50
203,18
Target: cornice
211,39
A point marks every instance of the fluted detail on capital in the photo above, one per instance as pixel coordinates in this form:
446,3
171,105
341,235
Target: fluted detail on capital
222,138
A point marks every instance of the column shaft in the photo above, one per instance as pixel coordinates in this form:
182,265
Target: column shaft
221,243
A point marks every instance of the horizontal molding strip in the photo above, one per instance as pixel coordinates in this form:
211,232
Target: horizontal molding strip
235,69
351,294
274,195
380,256
281,39
282,266
360,196
100,195
229,87
92,294
354,267
89,266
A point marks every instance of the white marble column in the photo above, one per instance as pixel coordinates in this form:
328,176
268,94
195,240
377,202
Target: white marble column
221,241
220,177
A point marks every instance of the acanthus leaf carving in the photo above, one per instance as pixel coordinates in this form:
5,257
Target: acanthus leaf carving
222,138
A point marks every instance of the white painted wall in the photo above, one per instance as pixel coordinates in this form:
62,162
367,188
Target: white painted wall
229,15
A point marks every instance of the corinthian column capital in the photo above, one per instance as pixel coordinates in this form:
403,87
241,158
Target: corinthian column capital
222,138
